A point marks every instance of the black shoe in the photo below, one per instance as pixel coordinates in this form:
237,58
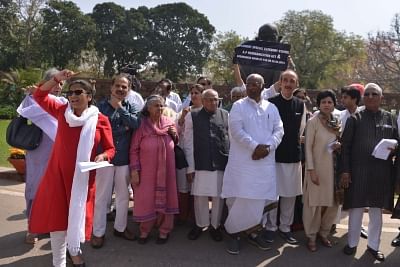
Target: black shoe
349,251
258,241
161,240
143,240
268,236
288,237
216,234
396,241
195,233
233,245
376,253
363,233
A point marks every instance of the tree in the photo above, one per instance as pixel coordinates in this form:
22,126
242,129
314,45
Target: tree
11,93
66,32
119,36
383,61
9,48
29,30
180,39
219,62
317,49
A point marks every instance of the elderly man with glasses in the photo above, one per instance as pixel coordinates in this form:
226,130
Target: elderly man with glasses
367,179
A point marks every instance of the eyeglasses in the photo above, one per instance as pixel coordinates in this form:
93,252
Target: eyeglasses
75,92
370,94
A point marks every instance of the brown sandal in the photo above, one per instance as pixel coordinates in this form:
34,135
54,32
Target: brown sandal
326,242
312,245
31,238
97,241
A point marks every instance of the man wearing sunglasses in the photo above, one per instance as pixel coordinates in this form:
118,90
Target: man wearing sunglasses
367,180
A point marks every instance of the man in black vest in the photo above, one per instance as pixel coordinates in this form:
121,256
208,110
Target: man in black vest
206,146
288,157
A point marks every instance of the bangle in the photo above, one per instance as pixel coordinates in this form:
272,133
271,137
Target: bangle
55,79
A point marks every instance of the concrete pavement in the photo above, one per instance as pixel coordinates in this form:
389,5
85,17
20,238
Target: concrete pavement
179,251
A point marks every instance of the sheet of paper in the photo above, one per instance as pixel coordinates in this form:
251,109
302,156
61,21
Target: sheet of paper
88,166
381,150
330,146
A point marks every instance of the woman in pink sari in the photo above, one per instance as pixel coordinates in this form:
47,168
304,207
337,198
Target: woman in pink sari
152,163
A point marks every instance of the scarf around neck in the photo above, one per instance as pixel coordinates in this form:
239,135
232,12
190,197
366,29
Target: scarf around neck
77,205
160,130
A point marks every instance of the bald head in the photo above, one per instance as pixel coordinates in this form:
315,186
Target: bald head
290,72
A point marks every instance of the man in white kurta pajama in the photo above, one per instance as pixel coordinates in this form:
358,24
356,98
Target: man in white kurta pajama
249,183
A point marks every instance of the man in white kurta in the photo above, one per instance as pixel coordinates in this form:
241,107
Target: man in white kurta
249,183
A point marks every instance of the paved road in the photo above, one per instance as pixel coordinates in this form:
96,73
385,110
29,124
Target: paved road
178,251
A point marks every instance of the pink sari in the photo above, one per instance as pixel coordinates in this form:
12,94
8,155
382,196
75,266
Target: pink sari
152,153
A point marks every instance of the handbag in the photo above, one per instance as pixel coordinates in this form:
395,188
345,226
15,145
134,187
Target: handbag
23,135
180,159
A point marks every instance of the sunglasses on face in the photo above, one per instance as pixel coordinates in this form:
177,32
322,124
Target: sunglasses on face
75,92
370,94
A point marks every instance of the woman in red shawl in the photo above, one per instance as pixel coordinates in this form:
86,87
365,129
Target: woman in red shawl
152,163
65,198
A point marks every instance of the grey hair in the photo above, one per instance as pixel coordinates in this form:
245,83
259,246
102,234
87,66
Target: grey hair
255,76
149,100
208,91
50,73
237,89
373,86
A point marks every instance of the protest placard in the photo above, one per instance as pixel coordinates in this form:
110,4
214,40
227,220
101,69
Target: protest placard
263,54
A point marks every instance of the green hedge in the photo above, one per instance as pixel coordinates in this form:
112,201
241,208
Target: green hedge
7,112
3,144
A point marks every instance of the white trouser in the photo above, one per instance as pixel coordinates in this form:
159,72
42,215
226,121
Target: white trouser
286,205
202,213
374,227
59,248
105,177
181,181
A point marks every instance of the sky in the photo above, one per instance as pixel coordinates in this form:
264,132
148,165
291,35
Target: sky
246,16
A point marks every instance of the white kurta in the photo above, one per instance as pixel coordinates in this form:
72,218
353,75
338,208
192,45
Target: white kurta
176,99
206,183
33,112
251,124
288,177
135,99
268,93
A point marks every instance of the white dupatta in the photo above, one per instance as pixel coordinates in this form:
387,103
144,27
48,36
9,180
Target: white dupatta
32,111
77,205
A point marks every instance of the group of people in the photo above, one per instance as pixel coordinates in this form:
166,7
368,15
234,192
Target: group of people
252,162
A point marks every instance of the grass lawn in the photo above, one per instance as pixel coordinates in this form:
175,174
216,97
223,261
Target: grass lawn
3,144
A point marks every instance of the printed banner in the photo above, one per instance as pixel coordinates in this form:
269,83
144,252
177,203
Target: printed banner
263,54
